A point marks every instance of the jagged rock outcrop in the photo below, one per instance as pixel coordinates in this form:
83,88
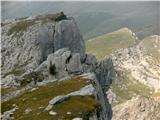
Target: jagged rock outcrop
105,73
141,62
138,108
106,111
25,49
74,64
67,35
65,63
27,43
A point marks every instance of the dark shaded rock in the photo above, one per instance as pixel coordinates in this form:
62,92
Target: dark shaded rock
105,73
105,111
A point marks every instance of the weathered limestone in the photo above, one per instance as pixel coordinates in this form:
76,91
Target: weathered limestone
106,112
74,64
27,49
67,35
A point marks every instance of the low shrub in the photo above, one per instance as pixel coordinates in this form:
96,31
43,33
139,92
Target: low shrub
60,17
52,69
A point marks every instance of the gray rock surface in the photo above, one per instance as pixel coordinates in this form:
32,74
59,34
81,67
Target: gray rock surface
74,64
67,35
9,81
90,63
106,112
111,96
28,110
52,113
26,49
8,114
59,59
65,63
105,73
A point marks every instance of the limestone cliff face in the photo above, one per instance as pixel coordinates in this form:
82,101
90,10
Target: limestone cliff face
27,43
25,50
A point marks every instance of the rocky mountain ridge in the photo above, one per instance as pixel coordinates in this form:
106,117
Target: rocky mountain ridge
105,44
141,62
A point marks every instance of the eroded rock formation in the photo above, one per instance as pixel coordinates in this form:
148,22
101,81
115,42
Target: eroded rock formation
43,50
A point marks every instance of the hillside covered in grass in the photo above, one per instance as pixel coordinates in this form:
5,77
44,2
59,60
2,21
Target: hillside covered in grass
152,45
128,88
35,100
104,45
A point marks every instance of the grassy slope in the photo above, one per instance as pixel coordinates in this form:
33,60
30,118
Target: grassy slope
104,45
152,45
41,97
128,88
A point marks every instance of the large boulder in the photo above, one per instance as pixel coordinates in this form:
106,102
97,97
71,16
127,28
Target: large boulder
67,35
89,64
74,64
58,59
64,62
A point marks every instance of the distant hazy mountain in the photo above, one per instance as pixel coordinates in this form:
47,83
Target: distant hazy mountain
95,18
